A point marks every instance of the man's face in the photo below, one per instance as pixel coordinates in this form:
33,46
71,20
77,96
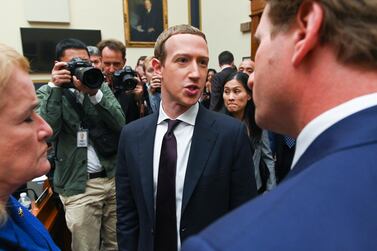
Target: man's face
96,62
112,61
246,66
69,54
23,132
184,71
149,72
270,81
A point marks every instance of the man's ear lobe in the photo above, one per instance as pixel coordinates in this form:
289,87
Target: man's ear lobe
309,20
156,64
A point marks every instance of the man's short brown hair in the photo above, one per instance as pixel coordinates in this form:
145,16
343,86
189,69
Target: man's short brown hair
114,45
159,48
350,26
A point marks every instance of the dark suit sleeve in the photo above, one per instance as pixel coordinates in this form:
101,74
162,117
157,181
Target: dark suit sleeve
243,186
196,243
127,217
216,92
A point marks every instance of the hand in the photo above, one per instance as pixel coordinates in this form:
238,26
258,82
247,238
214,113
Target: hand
144,79
83,88
139,29
155,83
138,92
151,30
60,75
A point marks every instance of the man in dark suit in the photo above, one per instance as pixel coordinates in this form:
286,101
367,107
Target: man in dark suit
226,62
158,207
323,55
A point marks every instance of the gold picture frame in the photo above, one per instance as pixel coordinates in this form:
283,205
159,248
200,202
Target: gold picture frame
144,20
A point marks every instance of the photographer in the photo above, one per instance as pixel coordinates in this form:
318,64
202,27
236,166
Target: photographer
82,111
127,88
153,84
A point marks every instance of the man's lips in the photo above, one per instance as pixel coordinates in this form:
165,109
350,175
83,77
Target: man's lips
192,90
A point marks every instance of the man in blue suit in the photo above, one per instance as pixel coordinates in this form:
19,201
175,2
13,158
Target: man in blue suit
315,79
160,204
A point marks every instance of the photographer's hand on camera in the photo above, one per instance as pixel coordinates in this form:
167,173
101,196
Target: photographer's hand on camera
155,84
60,75
83,88
138,92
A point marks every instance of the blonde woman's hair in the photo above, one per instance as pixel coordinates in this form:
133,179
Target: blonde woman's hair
10,59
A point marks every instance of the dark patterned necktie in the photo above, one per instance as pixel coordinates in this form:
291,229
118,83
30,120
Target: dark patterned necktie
290,142
166,219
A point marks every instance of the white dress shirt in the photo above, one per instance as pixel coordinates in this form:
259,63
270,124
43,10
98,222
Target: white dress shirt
324,121
183,134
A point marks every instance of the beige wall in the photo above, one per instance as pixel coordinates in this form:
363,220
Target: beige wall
220,22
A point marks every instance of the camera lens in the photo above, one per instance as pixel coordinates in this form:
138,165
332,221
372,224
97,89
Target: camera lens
91,77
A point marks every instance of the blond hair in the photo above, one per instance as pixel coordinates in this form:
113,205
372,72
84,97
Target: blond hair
147,61
159,47
350,27
10,59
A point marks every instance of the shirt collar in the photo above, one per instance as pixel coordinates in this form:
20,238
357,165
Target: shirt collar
324,121
188,116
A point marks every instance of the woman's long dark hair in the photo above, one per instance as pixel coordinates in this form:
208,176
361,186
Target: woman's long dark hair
255,132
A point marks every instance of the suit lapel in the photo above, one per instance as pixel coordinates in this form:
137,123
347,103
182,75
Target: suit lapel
146,145
340,136
203,140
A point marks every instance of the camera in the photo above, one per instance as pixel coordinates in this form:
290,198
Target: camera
86,73
124,79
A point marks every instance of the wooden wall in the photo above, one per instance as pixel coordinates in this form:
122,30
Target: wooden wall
256,9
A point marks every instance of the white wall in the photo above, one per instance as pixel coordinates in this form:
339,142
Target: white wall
220,22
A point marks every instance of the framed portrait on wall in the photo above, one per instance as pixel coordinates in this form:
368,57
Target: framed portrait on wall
144,20
195,13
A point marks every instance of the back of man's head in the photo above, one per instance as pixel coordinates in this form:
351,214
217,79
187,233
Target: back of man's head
226,57
114,45
93,50
69,43
350,27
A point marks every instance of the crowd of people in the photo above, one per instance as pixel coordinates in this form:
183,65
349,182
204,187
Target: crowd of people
276,154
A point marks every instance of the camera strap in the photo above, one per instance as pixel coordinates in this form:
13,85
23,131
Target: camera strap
76,106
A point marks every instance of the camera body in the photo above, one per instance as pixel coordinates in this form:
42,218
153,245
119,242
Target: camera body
85,72
124,79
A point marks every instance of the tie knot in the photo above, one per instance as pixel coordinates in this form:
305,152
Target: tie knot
172,124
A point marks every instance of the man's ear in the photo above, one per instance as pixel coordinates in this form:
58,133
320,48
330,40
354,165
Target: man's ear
156,64
309,20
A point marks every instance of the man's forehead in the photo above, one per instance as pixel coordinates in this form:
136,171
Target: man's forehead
183,36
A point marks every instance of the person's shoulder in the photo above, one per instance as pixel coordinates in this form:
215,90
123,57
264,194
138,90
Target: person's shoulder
141,122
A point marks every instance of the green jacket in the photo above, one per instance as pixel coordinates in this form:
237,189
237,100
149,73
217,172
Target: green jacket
70,175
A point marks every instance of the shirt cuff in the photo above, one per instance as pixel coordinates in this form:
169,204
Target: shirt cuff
96,98
52,85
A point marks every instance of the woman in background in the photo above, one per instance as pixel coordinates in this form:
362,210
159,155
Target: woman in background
205,99
23,151
239,104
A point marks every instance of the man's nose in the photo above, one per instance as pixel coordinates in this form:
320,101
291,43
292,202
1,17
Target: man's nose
194,71
45,129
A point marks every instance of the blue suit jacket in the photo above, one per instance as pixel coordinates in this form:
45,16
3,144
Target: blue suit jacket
23,232
328,201
219,177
